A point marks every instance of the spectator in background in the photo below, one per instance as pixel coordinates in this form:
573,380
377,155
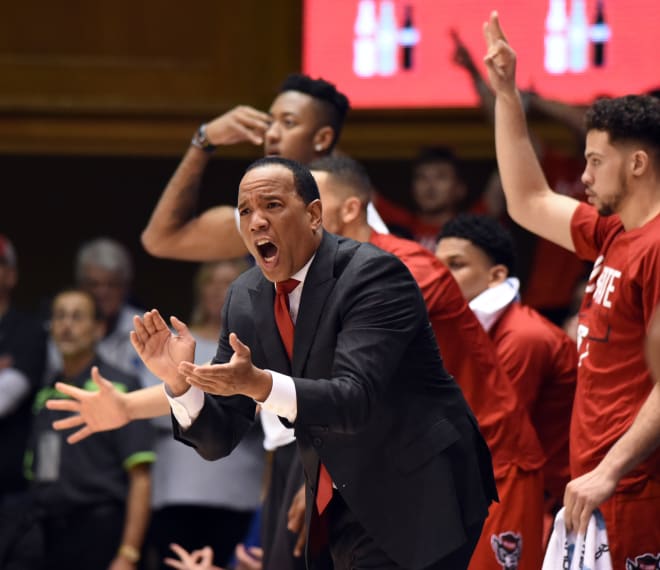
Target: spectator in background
104,268
22,362
540,359
196,502
92,500
438,193
548,273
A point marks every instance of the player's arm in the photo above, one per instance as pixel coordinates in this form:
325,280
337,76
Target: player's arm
174,229
530,201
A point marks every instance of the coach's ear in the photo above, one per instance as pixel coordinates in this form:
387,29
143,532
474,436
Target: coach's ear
314,210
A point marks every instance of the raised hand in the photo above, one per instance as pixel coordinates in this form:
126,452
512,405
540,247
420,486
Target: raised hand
238,376
241,124
248,558
201,559
500,59
94,411
161,350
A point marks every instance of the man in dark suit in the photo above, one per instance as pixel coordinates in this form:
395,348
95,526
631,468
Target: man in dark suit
365,389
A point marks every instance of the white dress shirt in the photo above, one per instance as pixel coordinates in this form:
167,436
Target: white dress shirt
280,402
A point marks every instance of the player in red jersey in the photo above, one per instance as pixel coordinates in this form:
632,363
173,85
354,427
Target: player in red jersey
615,429
513,529
539,357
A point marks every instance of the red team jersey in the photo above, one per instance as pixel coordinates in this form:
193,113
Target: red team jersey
469,356
513,529
541,361
613,378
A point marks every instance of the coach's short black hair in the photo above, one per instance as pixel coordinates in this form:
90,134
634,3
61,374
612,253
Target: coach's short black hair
487,234
302,178
334,103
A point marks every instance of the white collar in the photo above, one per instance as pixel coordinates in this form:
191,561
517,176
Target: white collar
301,274
489,305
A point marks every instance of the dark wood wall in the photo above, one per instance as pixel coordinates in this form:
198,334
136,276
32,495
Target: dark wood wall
98,100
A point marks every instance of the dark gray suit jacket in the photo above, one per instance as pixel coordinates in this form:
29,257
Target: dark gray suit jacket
375,403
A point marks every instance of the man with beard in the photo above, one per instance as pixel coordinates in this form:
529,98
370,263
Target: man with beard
615,428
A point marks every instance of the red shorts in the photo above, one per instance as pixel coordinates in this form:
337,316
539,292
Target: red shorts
514,527
632,519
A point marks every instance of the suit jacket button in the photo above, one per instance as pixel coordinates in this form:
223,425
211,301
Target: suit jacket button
317,442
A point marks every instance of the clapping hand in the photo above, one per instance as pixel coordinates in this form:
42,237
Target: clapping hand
238,376
162,350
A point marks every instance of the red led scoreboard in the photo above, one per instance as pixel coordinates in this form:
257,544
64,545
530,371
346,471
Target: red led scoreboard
398,53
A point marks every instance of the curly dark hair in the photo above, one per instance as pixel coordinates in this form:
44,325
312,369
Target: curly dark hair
633,118
334,103
487,234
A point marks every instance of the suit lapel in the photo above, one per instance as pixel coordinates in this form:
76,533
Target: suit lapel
263,297
318,284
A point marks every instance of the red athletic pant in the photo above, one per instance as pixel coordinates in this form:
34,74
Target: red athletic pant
514,527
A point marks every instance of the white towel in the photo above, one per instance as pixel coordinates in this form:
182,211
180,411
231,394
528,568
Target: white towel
571,551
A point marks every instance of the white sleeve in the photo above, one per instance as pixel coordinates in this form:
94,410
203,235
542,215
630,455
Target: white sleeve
187,406
282,398
14,387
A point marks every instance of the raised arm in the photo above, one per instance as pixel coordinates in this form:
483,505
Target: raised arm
174,230
107,408
530,201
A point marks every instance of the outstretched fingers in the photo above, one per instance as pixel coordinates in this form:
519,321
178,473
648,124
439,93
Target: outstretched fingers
493,30
69,390
68,423
63,405
80,435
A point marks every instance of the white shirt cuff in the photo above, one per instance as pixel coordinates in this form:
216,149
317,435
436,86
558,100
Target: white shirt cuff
282,398
187,406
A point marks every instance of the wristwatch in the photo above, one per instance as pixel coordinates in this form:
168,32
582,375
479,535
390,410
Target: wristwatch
201,141
129,552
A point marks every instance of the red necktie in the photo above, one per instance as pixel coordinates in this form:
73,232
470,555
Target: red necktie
285,326
282,315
